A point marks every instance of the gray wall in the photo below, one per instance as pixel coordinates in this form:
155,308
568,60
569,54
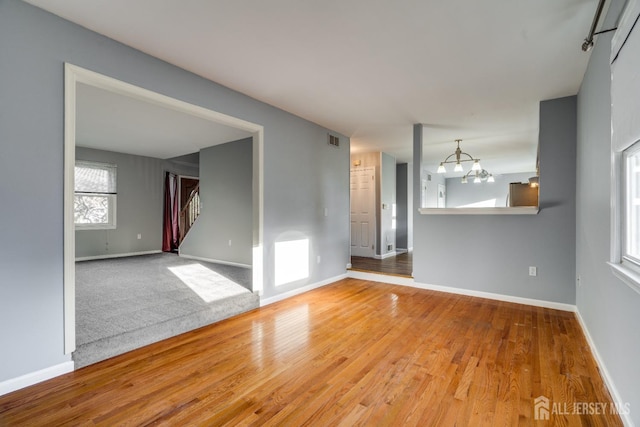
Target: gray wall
302,173
226,210
410,209
608,307
404,201
387,199
492,253
138,208
402,187
459,194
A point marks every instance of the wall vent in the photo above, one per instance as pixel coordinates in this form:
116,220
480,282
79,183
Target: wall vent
334,140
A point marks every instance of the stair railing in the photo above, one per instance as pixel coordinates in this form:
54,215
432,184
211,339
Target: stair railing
189,212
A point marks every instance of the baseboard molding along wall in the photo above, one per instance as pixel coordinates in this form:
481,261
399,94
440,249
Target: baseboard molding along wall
214,261
626,418
404,281
294,292
108,256
35,377
387,255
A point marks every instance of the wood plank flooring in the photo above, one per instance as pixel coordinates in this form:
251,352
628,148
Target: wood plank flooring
350,353
399,265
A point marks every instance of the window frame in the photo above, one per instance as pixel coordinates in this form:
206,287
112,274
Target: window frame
626,258
112,200
624,267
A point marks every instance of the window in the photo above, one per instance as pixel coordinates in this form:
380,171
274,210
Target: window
625,254
95,196
631,202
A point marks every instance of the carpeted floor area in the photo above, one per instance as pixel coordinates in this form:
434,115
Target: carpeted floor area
125,303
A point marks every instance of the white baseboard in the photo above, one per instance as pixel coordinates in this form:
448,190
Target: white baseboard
294,292
35,377
108,256
387,255
349,266
404,281
214,261
626,418
401,251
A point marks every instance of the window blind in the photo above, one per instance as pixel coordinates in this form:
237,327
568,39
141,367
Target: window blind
95,178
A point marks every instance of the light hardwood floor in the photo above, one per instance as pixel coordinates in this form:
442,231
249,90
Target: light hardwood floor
350,353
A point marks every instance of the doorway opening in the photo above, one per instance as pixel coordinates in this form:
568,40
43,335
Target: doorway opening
378,212
76,77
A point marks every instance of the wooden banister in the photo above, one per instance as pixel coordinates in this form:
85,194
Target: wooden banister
190,212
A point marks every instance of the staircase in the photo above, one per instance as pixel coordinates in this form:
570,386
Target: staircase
189,213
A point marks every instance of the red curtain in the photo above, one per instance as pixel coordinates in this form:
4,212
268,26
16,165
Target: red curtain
170,223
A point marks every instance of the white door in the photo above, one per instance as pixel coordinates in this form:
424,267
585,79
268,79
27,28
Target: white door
363,212
442,196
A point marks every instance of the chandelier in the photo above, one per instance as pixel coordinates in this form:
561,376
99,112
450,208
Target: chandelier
459,159
478,176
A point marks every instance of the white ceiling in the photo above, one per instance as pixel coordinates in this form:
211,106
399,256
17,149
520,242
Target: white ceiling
370,69
109,121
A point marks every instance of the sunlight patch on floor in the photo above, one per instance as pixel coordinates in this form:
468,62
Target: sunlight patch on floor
208,285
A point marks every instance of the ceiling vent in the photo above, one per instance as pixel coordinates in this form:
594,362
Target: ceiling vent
333,140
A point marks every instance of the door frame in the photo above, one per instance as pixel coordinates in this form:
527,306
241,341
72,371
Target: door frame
374,211
180,177
74,75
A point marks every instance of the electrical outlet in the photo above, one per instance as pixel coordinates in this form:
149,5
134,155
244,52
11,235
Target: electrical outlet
318,259
578,281
533,271
229,242
139,236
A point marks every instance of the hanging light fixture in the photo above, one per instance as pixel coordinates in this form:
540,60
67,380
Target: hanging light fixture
478,177
460,157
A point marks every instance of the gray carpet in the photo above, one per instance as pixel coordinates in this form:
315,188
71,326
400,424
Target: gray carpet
126,303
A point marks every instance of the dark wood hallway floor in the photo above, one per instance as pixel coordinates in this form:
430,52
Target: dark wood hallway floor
399,265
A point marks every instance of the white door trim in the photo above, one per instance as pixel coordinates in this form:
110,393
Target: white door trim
372,209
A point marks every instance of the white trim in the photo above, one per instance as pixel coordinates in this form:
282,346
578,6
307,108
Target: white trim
387,255
122,255
615,204
400,251
35,377
214,261
626,418
516,210
69,229
629,276
404,281
73,75
294,292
